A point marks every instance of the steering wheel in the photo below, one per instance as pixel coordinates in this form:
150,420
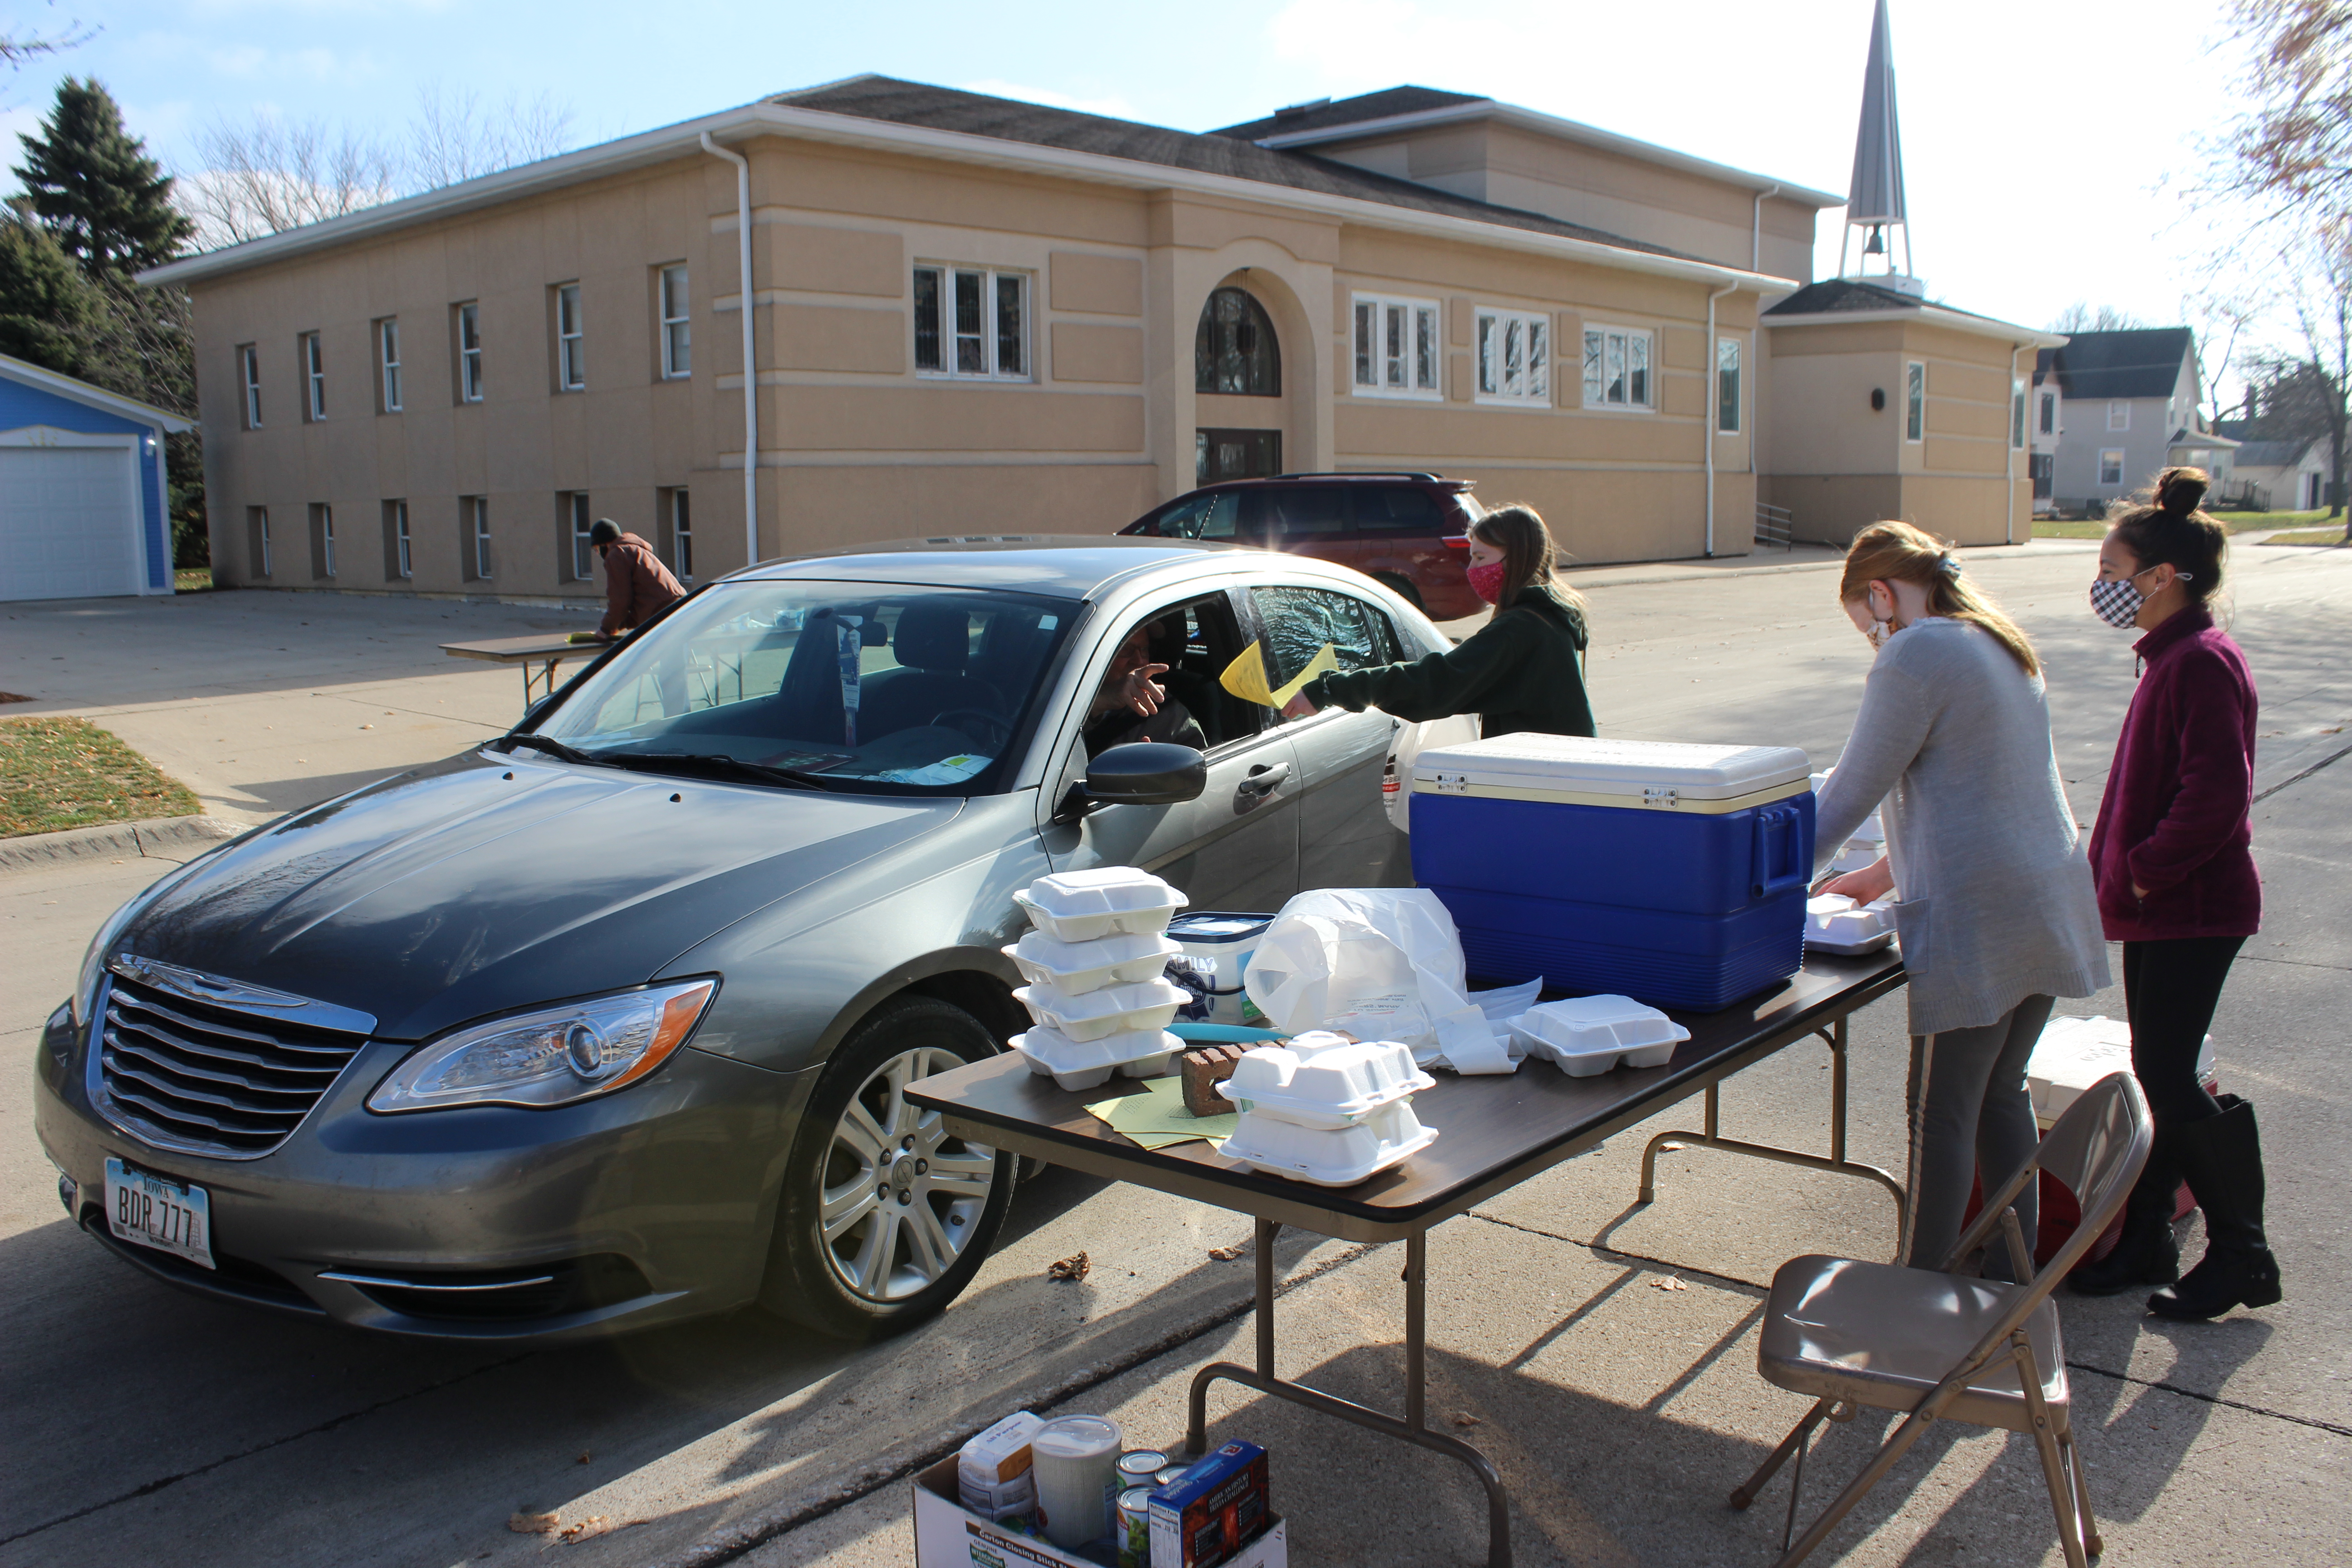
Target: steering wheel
997,729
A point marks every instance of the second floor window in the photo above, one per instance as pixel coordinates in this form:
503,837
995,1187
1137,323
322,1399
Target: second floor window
1397,347
314,378
473,511
1514,357
469,352
387,348
2118,414
971,321
1915,401
676,326
248,373
1616,368
2050,413
570,350
1233,347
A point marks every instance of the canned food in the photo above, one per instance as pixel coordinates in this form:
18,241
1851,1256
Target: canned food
1171,1476
1139,1465
1135,1528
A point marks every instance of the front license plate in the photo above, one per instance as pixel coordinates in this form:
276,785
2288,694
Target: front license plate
169,1216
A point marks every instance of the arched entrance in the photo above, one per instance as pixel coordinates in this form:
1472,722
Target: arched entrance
1236,355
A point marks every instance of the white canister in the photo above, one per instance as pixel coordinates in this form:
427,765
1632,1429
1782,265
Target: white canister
1076,1463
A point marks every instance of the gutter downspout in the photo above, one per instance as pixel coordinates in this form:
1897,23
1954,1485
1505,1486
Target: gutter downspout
1756,234
1708,414
750,369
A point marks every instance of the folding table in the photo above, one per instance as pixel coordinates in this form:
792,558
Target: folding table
1495,1132
538,656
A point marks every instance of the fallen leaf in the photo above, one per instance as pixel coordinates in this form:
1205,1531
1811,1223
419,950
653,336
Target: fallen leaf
530,1521
1668,1282
594,1524
585,1457
1463,1418
1073,1267
1227,1254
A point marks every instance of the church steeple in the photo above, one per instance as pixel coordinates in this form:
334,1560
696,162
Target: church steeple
1874,198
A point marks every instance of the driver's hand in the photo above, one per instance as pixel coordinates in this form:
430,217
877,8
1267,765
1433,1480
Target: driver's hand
1140,693
1299,707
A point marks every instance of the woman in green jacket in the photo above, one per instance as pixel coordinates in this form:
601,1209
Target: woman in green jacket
1519,673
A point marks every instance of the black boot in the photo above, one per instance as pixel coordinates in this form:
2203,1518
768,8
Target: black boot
2147,1252
2223,1158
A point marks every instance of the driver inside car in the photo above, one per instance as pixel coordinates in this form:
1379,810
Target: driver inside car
1133,705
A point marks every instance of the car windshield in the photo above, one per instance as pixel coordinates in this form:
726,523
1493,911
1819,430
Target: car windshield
822,685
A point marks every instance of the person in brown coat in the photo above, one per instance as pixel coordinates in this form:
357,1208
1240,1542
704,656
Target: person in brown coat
637,586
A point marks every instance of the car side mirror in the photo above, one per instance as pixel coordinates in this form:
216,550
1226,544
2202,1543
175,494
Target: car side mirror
1142,773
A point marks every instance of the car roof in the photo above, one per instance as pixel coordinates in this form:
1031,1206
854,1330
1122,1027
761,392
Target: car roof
1353,477
1069,566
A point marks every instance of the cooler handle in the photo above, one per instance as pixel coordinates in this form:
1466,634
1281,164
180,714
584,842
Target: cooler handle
1782,826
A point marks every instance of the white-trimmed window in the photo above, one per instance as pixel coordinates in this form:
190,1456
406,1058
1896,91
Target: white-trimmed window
971,321
314,378
2050,413
2017,415
258,519
676,323
387,359
2118,414
1514,350
1399,351
1915,401
469,352
1726,385
322,537
248,373
577,523
681,533
474,516
571,341
396,527
2111,466
1617,368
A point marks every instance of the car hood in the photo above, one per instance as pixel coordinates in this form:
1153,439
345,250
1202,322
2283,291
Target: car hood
483,884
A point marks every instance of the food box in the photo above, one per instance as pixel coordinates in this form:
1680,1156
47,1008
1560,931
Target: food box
1333,1087
1673,873
1835,923
2072,1054
1219,1506
1330,1157
1112,1010
947,1535
1587,1036
1073,968
1079,906
1089,1064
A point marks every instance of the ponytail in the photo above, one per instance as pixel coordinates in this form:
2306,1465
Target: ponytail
1896,551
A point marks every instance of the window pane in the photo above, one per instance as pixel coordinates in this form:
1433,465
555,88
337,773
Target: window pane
1727,384
1298,622
1366,312
1233,347
1395,314
927,319
971,348
1489,371
1319,511
1592,382
1614,389
1424,366
1637,369
1540,359
1010,359
1515,379
1386,509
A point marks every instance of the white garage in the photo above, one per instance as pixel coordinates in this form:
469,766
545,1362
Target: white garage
82,489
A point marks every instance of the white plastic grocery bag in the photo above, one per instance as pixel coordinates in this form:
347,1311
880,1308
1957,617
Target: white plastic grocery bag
1380,963
1406,744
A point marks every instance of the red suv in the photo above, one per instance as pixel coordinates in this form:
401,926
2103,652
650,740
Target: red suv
1405,530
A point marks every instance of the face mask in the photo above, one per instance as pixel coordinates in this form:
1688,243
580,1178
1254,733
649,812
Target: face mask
2118,603
1486,581
1878,632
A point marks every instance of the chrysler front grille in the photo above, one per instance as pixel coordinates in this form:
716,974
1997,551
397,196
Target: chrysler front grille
202,1078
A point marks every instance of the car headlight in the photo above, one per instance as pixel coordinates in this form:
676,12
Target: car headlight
550,1058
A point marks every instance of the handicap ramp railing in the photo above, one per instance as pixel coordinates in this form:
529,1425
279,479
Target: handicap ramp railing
1776,525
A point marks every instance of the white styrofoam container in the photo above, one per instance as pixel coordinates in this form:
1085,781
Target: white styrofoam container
2072,1054
1079,906
1581,770
1587,1036
1330,1157
1087,1064
1073,968
949,1536
1112,1010
1835,923
1334,1087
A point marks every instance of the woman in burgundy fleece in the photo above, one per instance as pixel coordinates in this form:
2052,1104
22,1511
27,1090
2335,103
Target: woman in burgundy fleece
2179,890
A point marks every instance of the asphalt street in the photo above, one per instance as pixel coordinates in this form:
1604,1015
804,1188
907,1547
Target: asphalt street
1603,1353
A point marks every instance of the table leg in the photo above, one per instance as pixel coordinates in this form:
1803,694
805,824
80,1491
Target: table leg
1414,1428
1835,1036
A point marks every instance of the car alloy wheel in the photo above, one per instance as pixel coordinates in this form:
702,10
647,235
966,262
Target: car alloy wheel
902,1198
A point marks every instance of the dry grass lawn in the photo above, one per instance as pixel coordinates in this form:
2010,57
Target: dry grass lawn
2308,536
61,773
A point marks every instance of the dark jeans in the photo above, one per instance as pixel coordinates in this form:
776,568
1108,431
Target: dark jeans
1971,1113
2170,989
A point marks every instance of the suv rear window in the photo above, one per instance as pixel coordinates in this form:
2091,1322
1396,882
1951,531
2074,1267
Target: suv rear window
1396,508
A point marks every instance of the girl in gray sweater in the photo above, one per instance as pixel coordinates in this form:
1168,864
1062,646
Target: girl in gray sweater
1996,909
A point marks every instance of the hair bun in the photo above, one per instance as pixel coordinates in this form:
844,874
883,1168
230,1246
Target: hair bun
2179,492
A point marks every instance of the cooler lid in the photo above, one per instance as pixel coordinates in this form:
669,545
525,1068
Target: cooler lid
1694,770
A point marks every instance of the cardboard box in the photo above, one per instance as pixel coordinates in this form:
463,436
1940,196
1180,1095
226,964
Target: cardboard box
948,1537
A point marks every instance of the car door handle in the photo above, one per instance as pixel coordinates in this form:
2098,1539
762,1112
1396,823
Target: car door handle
1264,778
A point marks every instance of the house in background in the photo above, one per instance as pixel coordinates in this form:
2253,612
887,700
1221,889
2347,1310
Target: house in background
2283,475
2127,407
83,498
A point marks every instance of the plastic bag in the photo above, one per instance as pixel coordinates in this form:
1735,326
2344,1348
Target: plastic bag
1406,744
1380,963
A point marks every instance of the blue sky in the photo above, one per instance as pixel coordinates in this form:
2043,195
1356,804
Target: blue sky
2043,140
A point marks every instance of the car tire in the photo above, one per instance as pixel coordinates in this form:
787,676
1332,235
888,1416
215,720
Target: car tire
1402,587
884,1218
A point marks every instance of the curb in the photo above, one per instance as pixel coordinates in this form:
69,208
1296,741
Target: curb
114,841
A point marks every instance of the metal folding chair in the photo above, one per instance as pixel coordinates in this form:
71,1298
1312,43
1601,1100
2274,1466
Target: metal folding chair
1942,1347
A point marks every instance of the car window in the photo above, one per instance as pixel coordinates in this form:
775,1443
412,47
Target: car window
1308,511
902,687
1210,516
1396,508
1295,623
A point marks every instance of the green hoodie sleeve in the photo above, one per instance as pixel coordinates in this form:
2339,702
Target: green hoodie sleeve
1459,680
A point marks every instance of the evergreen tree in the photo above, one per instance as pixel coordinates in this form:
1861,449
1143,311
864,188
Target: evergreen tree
93,186
50,315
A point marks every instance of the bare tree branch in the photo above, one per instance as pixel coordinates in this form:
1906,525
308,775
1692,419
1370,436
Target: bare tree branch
262,176
457,136
2298,144
2079,317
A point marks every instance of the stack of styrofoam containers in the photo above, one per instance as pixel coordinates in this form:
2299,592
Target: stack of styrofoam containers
1327,1110
1096,971
1674,873
1585,1037
1867,843
1835,923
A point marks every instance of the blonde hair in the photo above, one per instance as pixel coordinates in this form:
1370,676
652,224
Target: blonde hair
1898,552
1530,555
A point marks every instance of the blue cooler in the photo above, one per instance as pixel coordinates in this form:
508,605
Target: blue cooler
1674,874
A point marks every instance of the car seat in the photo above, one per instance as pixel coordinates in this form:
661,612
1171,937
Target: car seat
932,641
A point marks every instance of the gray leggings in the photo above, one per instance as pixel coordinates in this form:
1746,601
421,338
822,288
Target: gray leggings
1970,1112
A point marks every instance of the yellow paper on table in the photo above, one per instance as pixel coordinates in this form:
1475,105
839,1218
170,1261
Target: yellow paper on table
1155,1116
1245,676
